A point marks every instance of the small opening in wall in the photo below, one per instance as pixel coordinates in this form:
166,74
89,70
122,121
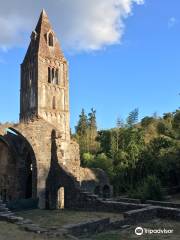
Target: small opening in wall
53,76
60,200
49,75
51,40
54,103
106,191
97,190
57,76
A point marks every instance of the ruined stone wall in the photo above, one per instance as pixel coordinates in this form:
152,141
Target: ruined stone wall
3,127
17,150
39,135
48,146
8,186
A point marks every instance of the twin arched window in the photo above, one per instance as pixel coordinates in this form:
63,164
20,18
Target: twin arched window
53,75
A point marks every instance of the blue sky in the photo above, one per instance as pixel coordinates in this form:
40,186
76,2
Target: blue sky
142,71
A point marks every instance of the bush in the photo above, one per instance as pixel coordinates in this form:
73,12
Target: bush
87,159
161,128
150,189
146,121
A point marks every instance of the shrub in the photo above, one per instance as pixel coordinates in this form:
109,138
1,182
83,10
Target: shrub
87,159
146,121
149,189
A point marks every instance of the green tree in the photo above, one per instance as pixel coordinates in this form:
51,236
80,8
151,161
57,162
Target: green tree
146,121
176,123
81,128
92,132
104,138
82,132
133,117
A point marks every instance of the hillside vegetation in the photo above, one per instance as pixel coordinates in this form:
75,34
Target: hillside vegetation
139,157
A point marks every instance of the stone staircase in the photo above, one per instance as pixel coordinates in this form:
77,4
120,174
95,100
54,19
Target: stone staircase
7,215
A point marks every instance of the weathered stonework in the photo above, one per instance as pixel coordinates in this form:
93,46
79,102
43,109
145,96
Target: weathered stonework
38,159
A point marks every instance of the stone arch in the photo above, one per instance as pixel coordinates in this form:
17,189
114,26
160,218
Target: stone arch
97,190
30,165
106,191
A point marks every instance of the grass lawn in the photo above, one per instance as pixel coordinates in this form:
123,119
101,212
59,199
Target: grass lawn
58,218
10,231
129,234
175,198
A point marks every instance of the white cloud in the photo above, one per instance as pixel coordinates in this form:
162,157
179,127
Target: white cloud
80,24
172,22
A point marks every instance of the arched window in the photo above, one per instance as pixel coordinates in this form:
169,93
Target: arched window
53,76
57,76
51,40
54,103
30,78
30,75
49,75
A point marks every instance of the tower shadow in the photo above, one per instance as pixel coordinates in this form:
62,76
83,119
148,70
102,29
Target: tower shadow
61,186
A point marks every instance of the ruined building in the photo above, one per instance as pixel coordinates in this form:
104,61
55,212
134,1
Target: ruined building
38,159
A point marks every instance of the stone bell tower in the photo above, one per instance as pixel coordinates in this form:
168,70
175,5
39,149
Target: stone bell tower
44,79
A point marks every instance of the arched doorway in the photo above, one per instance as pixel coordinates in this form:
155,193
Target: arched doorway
60,198
26,166
97,191
106,191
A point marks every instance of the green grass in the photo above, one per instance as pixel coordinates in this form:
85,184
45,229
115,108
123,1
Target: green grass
129,234
58,218
175,198
10,231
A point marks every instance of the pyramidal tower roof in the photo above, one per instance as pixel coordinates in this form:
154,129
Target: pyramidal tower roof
39,40
43,22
